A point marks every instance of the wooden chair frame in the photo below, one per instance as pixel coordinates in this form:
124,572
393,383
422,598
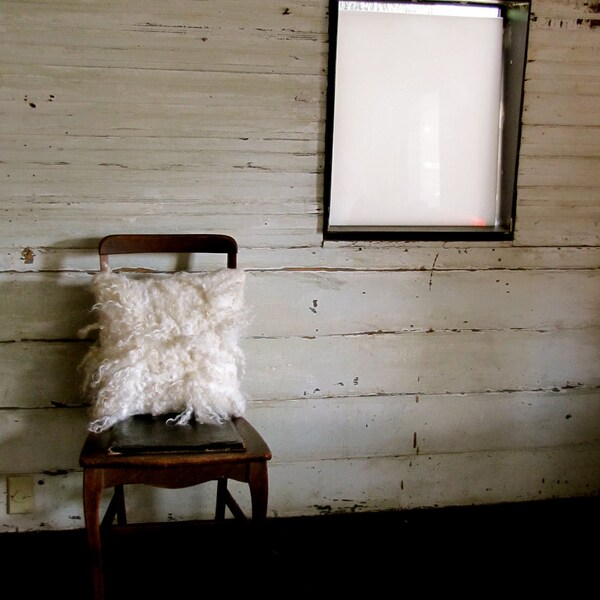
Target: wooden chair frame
102,470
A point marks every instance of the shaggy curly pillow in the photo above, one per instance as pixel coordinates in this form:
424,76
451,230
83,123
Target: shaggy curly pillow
166,344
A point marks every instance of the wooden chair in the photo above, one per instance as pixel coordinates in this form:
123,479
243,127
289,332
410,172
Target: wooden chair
102,469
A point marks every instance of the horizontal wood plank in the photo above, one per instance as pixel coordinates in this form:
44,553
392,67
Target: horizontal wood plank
81,255
55,306
42,374
352,427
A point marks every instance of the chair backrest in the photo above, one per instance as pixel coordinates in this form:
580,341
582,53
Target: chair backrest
141,243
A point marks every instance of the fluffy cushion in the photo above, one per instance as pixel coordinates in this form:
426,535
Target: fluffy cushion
166,344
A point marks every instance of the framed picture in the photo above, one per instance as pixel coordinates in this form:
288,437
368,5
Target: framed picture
424,119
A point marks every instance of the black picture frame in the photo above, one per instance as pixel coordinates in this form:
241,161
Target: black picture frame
515,16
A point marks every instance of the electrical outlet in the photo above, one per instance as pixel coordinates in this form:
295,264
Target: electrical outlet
19,494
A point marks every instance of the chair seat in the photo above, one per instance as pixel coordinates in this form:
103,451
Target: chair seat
103,469
96,452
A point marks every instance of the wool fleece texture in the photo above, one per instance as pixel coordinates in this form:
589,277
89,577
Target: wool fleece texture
166,344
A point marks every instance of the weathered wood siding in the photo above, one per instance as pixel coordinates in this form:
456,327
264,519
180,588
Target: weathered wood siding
384,375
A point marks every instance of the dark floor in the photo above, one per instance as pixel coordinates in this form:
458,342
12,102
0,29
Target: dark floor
532,550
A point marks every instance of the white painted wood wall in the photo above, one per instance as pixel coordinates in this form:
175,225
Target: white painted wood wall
383,375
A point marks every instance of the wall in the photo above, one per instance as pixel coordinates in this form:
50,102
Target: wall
384,375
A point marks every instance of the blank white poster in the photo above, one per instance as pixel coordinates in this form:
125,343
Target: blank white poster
416,116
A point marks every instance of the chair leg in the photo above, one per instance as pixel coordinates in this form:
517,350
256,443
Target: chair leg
234,507
258,482
120,501
92,493
259,490
116,508
221,499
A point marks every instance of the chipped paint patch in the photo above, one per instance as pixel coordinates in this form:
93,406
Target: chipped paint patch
27,255
576,24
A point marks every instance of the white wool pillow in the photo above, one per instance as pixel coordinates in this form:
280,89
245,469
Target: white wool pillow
166,344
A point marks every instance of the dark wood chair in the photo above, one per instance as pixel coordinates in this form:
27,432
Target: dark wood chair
103,469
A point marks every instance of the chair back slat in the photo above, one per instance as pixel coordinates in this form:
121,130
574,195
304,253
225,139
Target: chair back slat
187,243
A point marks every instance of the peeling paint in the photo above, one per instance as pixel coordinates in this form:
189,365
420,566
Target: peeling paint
27,255
576,24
